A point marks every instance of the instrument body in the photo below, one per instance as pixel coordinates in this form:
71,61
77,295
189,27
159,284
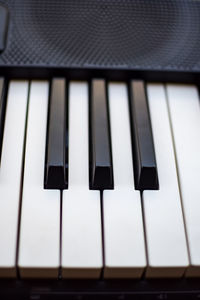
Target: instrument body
115,40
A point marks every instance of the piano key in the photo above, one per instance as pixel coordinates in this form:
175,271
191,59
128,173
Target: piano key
10,174
123,225
39,243
55,176
185,120
164,226
145,169
101,175
81,213
2,108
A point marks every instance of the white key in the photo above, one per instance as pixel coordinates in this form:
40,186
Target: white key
185,118
123,226
40,217
81,215
165,234
10,175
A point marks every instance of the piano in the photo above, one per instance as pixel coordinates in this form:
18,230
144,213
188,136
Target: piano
99,149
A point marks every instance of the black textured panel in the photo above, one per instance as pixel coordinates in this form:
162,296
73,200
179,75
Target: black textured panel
3,26
128,34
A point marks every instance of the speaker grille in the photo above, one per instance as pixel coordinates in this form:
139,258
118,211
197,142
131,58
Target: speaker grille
128,34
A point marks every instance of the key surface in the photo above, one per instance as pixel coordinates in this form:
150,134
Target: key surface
185,119
10,175
39,244
123,226
55,175
145,169
101,174
164,226
2,108
81,214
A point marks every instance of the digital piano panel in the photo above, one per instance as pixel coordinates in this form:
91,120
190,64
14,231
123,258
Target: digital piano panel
99,149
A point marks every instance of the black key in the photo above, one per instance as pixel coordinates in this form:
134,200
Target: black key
145,172
2,108
101,173
55,171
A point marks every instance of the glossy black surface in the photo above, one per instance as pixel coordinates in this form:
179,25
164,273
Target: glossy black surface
2,109
164,289
55,173
101,173
3,27
145,170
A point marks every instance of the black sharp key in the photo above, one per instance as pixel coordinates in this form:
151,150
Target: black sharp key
145,170
101,173
2,108
55,171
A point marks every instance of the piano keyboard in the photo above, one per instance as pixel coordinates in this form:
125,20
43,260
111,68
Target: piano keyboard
102,185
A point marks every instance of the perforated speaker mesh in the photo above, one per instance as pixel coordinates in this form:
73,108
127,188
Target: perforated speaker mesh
130,34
